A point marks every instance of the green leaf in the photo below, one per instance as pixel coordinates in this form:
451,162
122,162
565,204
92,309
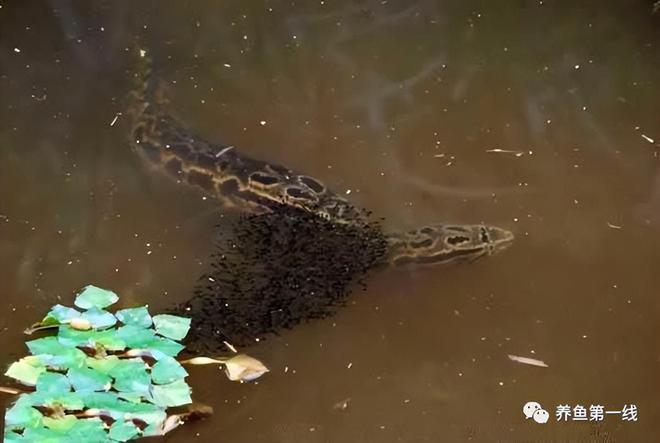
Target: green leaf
135,316
167,370
43,435
86,379
106,401
73,338
25,372
131,397
146,412
60,424
99,318
171,326
70,338
46,345
93,297
135,337
88,430
123,431
22,414
53,383
13,437
163,347
60,314
131,376
55,355
172,394
102,365
67,400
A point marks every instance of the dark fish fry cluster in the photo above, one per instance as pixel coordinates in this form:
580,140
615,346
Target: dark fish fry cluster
273,271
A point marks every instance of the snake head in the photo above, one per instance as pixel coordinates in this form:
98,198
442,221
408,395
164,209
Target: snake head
440,244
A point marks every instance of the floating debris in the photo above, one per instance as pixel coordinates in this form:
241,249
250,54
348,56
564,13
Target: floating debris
648,139
613,226
506,151
224,150
528,361
114,120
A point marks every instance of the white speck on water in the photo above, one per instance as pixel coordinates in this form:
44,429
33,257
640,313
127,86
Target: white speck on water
648,139
227,65
613,226
577,66
262,122
348,191
143,53
349,366
114,120
16,50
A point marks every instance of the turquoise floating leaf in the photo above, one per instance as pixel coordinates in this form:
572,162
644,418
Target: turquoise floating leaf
106,377
67,400
13,437
93,297
171,394
54,354
101,400
72,338
167,370
163,347
53,383
86,379
171,326
60,314
88,430
134,316
123,431
90,339
22,414
131,376
44,435
102,365
99,319
46,345
146,412
136,337
131,397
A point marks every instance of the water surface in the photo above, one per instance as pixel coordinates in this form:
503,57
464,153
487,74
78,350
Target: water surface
540,117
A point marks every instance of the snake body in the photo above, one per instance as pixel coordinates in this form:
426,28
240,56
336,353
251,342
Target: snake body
255,186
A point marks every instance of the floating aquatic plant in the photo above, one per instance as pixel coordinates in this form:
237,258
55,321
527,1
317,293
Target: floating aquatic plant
107,377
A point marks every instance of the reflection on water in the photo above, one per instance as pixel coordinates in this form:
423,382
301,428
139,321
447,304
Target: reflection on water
541,117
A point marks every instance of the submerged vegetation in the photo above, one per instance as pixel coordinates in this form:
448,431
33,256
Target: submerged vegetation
107,377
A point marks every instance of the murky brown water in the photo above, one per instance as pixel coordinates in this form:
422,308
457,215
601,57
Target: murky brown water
400,102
